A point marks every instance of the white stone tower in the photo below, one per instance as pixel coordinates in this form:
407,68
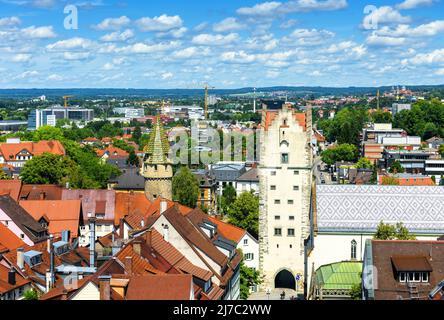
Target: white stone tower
285,174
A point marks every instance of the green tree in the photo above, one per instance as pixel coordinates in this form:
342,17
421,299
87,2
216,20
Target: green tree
133,159
356,292
374,177
31,294
45,169
342,152
228,197
185,187
48,133
396,167
4,176
392,232
381,117
248,278
364,163
389,181
244,213
137,134
441,150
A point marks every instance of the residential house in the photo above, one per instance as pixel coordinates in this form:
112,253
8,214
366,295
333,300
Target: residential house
12,284
11,188
407,179
227,173
113,155
16,153
435,142
8,240
402,270
207,190
20,222
248,182
57,215
129,181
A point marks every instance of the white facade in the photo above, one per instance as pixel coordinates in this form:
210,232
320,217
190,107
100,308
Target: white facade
247,186
285,185
250,249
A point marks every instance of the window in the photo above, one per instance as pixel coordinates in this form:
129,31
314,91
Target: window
284,158
402,277
295,188
296,173
425,277
291,246
273,173
245,242
354,245
277,217
290,201
290,232
273,188
22,236
249,256
416,276
277,201
291,218
278,232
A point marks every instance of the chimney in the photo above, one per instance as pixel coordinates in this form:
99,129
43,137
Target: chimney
163,206
105,287
137,247
42,195
148,236
92,240
121,229
65,294
51,261
21,258
129,265
166,233
48,280
11,277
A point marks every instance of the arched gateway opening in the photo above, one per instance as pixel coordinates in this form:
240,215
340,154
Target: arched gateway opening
285,280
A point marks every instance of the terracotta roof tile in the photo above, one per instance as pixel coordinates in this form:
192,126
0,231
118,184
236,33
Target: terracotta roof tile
62,214
160,287
4,284
8,240
89,201
11,187
41,192
127,203
11,150
228,231
140,265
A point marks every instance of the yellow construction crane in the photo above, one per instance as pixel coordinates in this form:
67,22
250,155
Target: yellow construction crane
207,87
65,99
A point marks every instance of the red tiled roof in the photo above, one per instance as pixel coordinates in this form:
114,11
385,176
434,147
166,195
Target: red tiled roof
37,192
140,265
227,230
11,188
128,203
8,240
62,214
160,287
89,199
4,284
10,150
271,115
112,152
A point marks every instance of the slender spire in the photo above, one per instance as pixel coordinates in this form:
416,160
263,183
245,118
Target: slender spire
157,149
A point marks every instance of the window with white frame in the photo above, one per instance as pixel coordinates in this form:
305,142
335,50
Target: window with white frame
249,256
413,277
354,246
245,242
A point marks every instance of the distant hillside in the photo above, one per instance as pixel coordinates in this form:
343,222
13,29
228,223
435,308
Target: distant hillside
189,93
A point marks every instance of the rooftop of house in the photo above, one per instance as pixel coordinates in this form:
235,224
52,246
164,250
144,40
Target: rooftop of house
128,203
41,192
251,175
130,179
60,215
112,152
8,240
160,287
11,188
392,257
92,201
5,286
11,150
31,228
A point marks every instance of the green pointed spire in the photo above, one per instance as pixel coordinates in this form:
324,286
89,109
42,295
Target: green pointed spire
157,149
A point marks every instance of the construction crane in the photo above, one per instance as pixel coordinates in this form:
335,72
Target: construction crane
65,99
207,87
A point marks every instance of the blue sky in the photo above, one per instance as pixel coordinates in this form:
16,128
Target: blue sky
228,44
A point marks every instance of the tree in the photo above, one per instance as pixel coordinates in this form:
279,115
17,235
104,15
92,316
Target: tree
356,292
389,181
248,278
31,294
228,196
374,177
342,152
185,187
4,176
392,232
396,167
441,150
244,213
133,159
137,134
45,169
381,117
364,163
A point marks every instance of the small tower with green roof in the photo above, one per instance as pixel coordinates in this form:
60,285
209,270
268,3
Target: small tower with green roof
157,168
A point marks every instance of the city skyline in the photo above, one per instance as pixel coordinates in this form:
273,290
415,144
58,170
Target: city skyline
334,43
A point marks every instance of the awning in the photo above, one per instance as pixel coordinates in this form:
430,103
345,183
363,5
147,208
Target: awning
411,263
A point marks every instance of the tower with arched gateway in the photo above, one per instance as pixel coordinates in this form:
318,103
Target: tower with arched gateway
285,175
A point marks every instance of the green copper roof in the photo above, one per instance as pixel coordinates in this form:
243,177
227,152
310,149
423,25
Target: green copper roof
340,275
156,151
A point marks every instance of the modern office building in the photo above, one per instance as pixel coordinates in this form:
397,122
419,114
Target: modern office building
48,117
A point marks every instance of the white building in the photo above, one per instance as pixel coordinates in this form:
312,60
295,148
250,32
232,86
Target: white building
398,107
347,215
285,174
248,182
